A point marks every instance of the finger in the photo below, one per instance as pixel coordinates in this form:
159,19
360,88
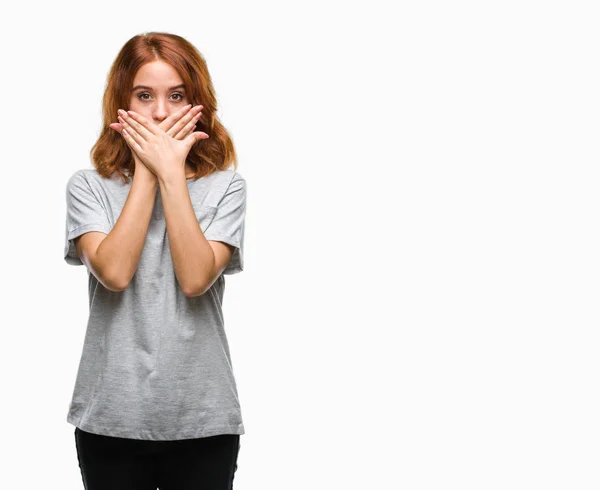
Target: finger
188,128
168,123
132,132
183,124
131,142
182,134
143,127
194,137
191,131
118,127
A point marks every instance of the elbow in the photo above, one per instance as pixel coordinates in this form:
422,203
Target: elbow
117,288
115,284
195,290
110,281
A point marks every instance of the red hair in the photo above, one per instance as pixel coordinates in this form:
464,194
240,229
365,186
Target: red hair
111,154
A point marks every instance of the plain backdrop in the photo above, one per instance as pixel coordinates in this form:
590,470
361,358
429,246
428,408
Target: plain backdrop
419,305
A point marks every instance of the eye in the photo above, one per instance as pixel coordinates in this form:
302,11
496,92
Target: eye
142,94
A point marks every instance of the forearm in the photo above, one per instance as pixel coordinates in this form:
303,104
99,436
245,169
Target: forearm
192,255
119,253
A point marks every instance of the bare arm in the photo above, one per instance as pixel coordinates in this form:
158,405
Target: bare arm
197,261
114,259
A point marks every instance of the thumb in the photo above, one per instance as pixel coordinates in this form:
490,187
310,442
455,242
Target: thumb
197,136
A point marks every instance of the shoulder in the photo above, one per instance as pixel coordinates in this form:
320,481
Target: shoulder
224,176
223,183
87,184
232,180
90,178
234,186
84,175
78,175
77,181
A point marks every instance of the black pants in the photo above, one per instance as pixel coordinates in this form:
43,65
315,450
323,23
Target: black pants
115,463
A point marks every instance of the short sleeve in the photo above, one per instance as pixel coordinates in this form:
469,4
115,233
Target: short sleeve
229,222
85,213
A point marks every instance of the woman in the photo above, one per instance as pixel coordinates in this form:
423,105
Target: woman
158,222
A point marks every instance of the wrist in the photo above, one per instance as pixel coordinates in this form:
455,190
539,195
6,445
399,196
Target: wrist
147,177
175,174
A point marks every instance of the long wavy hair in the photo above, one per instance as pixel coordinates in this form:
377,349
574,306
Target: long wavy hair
111,154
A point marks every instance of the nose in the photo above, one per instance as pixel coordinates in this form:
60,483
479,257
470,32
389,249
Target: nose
160,112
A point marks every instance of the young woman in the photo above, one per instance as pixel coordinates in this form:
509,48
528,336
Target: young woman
158,222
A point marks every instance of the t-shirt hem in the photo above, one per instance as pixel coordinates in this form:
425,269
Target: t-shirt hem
70,252
237,262
154,435
223,238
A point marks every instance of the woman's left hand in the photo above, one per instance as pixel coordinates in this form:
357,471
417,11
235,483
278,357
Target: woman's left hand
164,155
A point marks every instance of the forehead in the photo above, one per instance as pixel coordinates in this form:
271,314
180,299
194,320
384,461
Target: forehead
158,75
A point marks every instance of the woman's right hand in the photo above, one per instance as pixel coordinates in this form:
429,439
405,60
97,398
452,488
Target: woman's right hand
179,125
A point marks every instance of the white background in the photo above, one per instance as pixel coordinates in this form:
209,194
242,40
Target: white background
419,305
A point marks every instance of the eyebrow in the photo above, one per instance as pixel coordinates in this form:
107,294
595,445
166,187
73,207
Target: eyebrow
150,88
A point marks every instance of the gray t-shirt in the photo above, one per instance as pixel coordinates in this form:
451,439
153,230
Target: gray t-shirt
155,363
